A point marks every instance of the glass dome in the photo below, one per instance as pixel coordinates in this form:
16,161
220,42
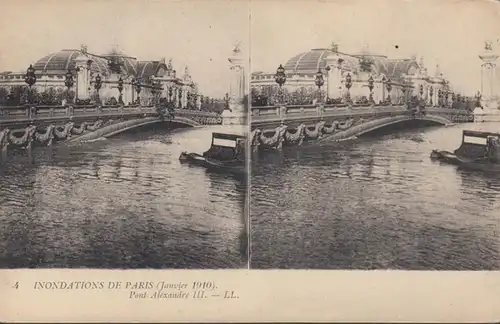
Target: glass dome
60,62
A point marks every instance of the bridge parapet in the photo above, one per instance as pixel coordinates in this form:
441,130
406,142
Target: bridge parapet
14,117
201,117
274,127
23,126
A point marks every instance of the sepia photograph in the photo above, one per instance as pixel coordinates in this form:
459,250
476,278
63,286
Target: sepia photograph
375,130
249,161
123,134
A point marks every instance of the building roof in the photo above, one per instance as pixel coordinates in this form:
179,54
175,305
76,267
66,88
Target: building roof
128,63
394,68
309,62
60,62
147,69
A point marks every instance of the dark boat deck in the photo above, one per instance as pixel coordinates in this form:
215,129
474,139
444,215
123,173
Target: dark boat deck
472,156
221,158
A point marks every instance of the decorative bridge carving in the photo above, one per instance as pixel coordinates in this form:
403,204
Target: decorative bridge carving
49,124
274,129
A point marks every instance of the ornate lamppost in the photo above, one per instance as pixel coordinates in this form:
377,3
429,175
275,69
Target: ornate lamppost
30,79
327,68
319,81
403,90
421,91
348,85
97,85
440,98
188,99
388,86
69,82
226,102
431,92
170,93
478,99
446,95
370,86
280,79
120,90
138,89
180,98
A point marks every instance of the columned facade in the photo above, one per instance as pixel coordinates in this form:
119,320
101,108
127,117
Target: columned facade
120,77
346,75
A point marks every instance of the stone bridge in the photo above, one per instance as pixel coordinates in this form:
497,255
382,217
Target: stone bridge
23,127
274,127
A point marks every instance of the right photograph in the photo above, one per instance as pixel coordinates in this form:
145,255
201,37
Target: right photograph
375,135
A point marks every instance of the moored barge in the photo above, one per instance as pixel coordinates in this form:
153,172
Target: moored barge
226,154
479,151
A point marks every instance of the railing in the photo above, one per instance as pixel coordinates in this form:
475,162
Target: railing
273,114
48,112
31,113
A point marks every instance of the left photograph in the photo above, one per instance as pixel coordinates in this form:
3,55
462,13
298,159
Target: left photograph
123,134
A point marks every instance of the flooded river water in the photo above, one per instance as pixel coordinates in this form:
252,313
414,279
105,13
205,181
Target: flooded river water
380,203
125,202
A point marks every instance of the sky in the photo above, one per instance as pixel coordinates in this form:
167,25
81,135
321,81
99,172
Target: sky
450,33
200,33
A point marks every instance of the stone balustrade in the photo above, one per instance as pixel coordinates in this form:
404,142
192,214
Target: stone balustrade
40,112
271,115
25,126
273,127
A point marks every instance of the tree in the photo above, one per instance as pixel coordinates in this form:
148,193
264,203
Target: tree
71,95
59,95
3,96
365,64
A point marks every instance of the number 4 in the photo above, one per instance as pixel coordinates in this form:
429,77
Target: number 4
16,286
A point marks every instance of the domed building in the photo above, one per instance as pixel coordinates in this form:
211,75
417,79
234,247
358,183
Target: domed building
138,79
393,79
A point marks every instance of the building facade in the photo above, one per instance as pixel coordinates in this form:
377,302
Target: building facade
123,79
393,80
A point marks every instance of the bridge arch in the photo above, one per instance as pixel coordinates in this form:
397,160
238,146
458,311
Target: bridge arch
123,126
388,121
373,125
141,122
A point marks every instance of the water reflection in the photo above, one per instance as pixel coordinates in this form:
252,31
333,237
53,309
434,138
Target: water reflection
376,204
122,203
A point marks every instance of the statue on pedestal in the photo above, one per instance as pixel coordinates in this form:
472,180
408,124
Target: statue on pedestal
235,113
489,99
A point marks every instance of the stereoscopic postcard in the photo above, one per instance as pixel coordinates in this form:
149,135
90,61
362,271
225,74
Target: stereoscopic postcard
249,161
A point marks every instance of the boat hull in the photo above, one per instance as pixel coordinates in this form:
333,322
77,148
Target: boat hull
478,165
445,156
191,158
465,163
235,167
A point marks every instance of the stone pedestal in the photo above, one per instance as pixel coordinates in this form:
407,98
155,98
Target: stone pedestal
82,65
489,95
233,118
334,77
488,74
236,113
